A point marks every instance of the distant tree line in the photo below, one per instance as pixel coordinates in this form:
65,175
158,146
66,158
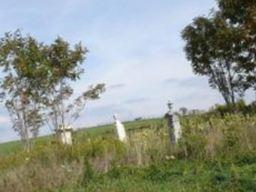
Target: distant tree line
222,46
35,85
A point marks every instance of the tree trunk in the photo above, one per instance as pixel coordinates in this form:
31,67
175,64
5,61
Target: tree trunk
26,133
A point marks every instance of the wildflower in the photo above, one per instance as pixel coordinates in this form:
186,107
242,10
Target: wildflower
169,157
172,157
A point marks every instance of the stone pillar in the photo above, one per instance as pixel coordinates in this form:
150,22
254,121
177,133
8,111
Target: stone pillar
177,127
174,127
120,130
169,117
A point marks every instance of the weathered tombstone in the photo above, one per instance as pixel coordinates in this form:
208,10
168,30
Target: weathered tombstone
177,128
64,135
120,129
173,125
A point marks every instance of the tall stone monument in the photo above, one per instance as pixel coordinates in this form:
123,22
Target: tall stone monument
177,128
174,127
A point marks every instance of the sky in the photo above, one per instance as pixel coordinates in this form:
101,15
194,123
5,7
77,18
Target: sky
135,48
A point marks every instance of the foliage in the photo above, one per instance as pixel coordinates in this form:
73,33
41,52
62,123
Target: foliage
239,107
20,60
64,65
222,47
36,82
241,14
209,47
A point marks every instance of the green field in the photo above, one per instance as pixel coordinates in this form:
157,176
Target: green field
214,154
91,132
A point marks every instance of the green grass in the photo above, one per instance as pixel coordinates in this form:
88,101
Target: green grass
215,154
109,130
9,148
178,176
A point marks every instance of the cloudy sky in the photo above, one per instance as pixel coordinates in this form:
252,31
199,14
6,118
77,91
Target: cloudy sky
135,48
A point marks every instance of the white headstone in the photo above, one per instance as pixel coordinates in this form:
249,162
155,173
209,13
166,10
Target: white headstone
65,135
177,127
120,130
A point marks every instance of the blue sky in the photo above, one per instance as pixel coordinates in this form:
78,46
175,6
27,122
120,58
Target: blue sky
135,48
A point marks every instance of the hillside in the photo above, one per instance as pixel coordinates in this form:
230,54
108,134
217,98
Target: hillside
107,130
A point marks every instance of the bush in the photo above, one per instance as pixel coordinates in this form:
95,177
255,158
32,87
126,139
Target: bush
239,107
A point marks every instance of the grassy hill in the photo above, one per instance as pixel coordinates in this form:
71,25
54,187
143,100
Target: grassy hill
214,154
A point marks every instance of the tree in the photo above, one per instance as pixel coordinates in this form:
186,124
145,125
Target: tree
183,111
36,83
242,15
20,58
210,48
65,66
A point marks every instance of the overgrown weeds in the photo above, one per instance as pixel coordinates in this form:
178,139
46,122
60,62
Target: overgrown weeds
220,149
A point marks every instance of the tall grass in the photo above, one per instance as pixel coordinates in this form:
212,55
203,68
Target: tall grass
215,137
213,141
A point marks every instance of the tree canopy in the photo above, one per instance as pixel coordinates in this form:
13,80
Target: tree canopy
221,46
35,85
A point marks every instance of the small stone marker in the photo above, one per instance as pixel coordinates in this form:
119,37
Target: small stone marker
120,129
64,135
